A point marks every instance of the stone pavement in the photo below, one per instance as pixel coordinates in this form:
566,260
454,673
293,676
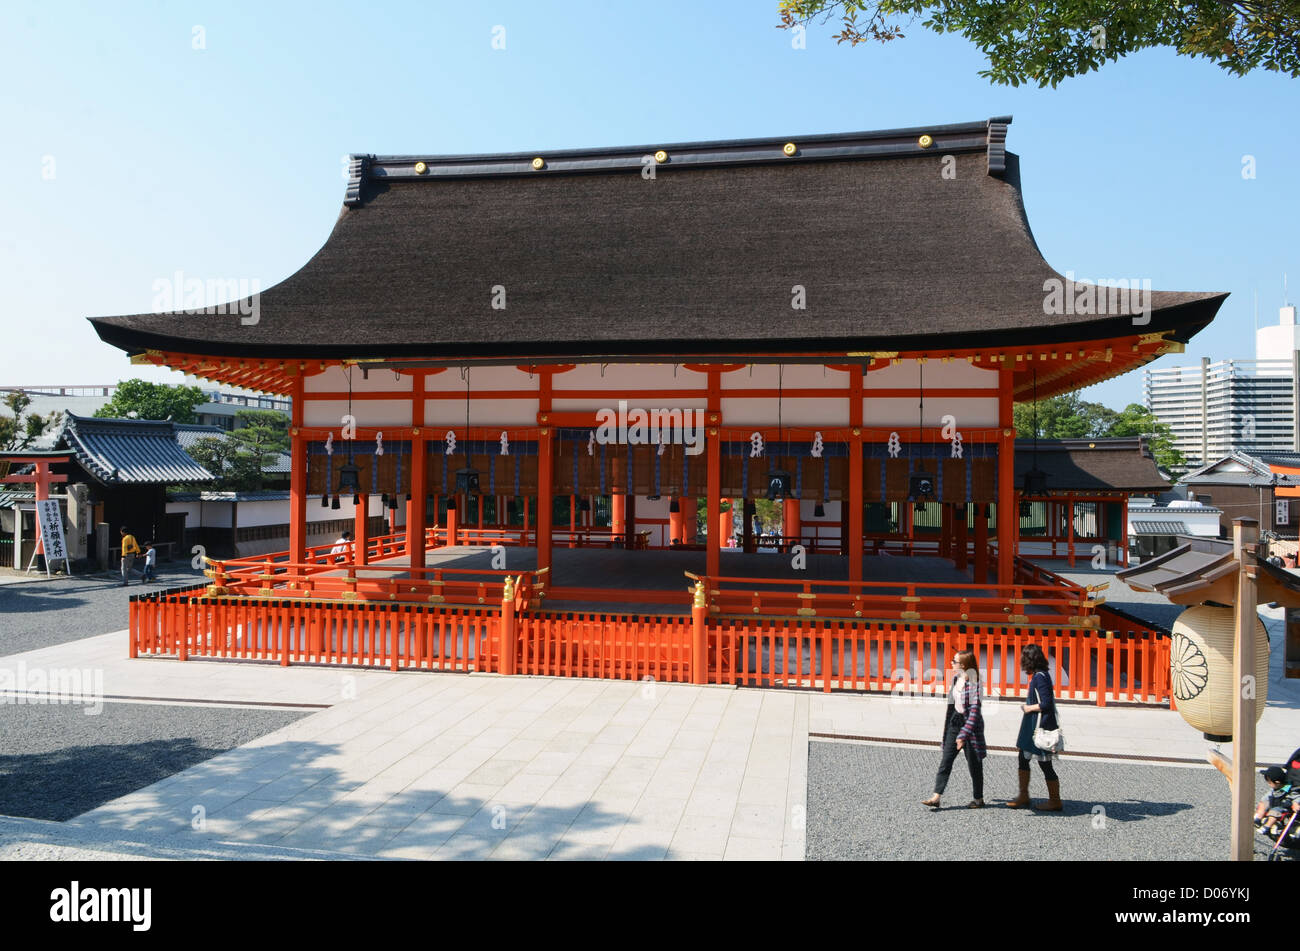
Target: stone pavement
442,765
420,765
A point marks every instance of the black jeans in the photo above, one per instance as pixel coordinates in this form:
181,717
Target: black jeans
1049,771
955,721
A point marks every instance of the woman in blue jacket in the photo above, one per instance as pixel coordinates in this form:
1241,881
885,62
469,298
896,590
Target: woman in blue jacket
1039,706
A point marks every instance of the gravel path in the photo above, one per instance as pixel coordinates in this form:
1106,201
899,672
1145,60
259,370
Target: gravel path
44,613
56,762
864,802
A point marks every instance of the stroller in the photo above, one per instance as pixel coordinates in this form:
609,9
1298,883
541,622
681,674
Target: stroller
1287,833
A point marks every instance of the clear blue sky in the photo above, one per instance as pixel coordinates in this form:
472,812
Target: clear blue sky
226,161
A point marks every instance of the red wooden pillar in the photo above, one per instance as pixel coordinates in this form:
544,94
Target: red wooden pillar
853,497
945,531
415,545
509,628
573,520
1069,525
297,478
717,527
726,525
792,527
480,511
699,636
545,498
629,527
959,538
617,513
981,544
1123,533
675,522
453,522
1008,513
361,531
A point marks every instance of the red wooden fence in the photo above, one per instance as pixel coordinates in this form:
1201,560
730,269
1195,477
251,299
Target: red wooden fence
1120,660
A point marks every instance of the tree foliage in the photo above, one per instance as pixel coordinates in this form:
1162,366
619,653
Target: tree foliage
1045,41
138,399
18,431
238,457
1069,417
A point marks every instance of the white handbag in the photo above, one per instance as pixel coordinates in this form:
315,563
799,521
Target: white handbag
1049,741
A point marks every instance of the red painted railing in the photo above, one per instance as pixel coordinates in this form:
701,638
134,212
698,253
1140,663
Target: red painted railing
912,659
907,658
1068,603
495,624
316,580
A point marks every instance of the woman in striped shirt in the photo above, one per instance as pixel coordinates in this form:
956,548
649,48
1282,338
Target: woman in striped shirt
963,730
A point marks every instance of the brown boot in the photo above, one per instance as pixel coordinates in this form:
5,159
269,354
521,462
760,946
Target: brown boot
1023,798
1053,803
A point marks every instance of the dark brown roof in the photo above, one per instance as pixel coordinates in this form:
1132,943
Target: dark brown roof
596,259
1184,570
1122,464
129,451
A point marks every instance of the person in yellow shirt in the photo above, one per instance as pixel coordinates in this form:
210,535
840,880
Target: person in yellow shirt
130,548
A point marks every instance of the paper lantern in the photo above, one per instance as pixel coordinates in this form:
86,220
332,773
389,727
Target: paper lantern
1200,669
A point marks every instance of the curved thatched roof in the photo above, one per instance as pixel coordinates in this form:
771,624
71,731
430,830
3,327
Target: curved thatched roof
897,247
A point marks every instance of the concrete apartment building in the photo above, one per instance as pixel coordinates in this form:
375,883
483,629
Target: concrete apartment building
82,400
1248,405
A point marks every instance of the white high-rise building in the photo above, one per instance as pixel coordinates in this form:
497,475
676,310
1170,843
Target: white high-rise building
1248,405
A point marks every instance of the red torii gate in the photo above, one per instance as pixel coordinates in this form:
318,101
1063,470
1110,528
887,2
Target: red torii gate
43,478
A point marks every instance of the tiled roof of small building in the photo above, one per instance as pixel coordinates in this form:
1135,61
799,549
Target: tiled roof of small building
129,451
1122,464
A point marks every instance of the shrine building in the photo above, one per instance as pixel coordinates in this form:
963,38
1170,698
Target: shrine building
535,364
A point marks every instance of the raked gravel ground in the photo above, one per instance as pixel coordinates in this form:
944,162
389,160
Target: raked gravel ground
56,762
40,613
864,802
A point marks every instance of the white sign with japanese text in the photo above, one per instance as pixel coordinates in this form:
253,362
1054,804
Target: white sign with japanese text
51,521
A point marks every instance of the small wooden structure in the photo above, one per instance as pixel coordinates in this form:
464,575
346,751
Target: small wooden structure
1210,571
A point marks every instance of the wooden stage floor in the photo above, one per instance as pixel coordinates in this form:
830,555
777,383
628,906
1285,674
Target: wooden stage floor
623,573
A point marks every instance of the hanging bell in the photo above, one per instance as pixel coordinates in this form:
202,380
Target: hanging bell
1035,483
334,504
819,510
778,484
672,506
350,479
325,501
920,487
356,498
467,481
392,503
